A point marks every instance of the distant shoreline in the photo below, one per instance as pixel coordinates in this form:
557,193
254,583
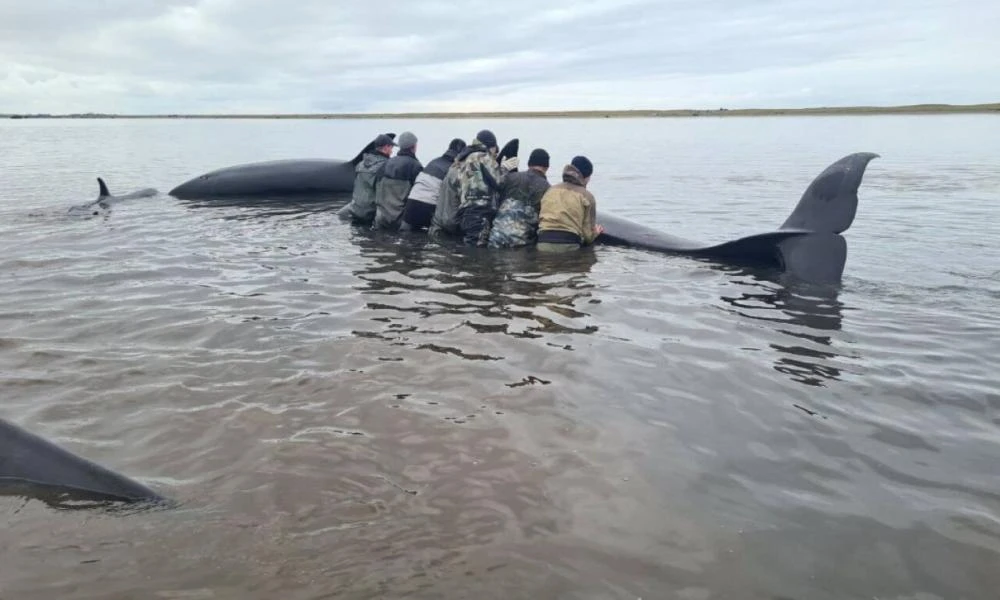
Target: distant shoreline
913,109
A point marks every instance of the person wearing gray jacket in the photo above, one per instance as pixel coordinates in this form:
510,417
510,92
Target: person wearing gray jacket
393,187
361,208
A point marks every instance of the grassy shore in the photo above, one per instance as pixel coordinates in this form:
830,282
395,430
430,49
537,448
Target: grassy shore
572,114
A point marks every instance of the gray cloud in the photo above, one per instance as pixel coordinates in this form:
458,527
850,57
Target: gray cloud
142,56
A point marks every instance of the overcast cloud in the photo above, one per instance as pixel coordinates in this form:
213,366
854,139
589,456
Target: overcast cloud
246,56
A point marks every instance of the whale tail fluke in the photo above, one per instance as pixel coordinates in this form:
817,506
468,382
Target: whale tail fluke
103,192
830,202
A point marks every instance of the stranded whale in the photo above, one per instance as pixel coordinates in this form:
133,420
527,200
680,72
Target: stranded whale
808,245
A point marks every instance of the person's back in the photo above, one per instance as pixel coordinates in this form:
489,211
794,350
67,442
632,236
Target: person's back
568,217
422,202
477,206
445,219
361,208
516,221
395,182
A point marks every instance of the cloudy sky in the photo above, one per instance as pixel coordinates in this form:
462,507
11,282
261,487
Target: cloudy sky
246,56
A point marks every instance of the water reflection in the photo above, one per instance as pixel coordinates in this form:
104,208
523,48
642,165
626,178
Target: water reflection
803,312
300,206
519,293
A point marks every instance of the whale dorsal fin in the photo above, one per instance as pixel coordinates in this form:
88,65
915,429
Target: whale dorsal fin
104,188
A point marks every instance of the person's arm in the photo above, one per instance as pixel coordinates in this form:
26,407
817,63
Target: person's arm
590,227
379,173
415,169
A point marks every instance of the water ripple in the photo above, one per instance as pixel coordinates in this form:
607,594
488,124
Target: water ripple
615,423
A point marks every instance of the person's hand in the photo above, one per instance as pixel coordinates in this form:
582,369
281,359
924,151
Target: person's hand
598,229
510,164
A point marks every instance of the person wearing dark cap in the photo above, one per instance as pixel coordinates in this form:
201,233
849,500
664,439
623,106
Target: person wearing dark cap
367,171
423,199
478,176
516,221
398,176
568,217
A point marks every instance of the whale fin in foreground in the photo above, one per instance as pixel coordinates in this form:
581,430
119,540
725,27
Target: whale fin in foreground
33,466
103,189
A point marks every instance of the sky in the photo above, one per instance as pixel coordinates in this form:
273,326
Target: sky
307,56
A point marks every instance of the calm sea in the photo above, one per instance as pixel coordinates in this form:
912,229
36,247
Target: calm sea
342,415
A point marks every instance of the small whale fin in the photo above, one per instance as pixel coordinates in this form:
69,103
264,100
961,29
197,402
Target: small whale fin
368,148
103,188
830,202
509,150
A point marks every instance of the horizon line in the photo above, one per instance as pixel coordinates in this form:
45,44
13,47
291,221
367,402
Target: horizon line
583,113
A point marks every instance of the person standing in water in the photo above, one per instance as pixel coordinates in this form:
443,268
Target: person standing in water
395,182
477,171
361,208
423,200
568,217
516,221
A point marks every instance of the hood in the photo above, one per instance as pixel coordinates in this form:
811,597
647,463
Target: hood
572,175
471,148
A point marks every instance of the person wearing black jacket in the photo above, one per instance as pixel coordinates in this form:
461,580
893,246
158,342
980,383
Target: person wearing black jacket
423,197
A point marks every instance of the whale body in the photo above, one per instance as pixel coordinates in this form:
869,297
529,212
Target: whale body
808,245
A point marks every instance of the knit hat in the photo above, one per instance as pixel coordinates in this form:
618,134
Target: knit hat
538,158
456,145
407,140
487,138
583,165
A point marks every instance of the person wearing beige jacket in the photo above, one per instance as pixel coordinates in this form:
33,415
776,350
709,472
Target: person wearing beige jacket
568,217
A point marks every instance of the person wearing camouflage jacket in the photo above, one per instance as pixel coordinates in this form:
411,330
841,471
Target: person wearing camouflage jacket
361,208
479,176
516,221
445,219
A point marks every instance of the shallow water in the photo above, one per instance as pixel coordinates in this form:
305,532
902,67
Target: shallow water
349,415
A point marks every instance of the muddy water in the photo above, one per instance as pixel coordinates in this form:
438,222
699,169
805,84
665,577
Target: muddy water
342,414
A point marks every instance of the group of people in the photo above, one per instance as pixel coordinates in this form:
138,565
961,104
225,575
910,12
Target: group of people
472,193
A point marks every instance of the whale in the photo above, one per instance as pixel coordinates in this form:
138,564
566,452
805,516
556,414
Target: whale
105,199
33,467
289,178
807,246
